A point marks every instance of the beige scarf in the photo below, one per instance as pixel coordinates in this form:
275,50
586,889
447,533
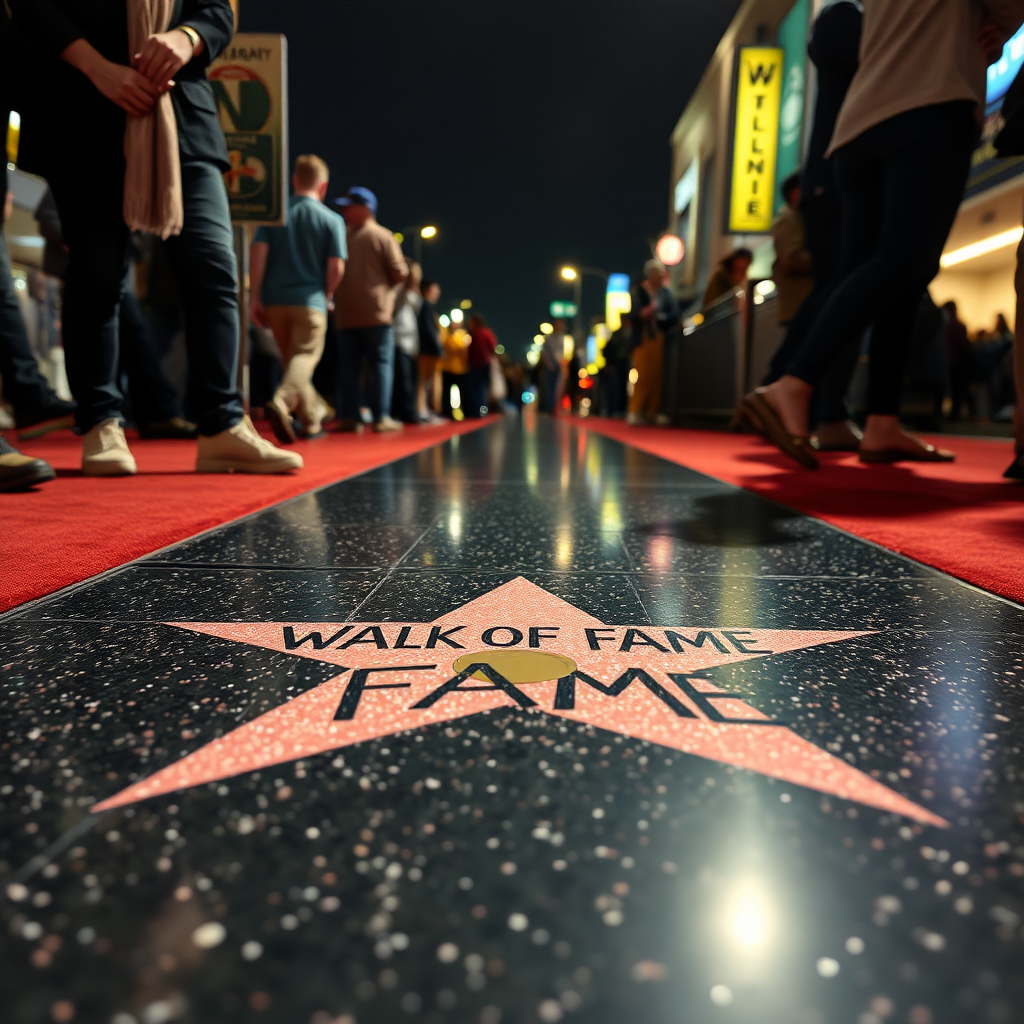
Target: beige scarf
152,183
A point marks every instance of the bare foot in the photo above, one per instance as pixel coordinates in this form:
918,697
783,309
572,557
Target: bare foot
789,398
882,432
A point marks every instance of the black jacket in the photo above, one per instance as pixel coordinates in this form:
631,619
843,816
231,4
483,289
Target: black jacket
67,113
834,47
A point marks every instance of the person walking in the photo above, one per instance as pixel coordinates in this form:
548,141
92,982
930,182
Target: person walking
729,275
365,304
792,271
552,369
833,48
482,348
428,400
293,274
408,304
922,76
656,313
122,122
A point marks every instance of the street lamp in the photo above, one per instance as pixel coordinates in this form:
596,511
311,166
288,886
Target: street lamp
575,275
418,232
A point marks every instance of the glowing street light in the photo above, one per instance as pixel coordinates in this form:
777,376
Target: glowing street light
569,274
417,232
428,231
457,316
547,329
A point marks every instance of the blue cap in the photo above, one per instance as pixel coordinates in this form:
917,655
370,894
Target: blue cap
359,196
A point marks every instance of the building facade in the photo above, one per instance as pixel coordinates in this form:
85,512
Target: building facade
728,143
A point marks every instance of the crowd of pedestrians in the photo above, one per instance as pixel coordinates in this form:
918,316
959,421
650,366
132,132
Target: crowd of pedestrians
349,324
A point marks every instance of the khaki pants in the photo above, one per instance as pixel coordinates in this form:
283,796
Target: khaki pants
300,333
649,363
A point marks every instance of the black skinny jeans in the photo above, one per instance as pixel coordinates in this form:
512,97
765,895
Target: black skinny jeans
203,260
823,224
902,182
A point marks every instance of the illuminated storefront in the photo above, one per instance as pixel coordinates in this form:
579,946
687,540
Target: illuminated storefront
980,258
741,134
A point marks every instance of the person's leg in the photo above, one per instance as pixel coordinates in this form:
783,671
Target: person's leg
380,346
403,400
900,197
152,395
23,385
640,399
203,260
917,222
823,223
656,374
97,238
350,360
1018,361
308,338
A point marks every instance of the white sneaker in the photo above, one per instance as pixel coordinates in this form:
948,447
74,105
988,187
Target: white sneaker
240,449
663,420
105,451
386,425
634,419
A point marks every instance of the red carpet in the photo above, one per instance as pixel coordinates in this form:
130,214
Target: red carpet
959,517
75,526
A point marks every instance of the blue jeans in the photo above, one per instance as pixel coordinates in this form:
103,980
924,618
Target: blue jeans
24,386
89,200
377,346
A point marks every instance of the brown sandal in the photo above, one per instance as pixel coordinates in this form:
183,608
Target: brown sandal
798,448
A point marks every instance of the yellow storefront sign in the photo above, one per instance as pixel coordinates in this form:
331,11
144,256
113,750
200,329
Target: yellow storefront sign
758,94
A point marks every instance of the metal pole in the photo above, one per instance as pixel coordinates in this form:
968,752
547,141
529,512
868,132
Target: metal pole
418,247
577,292
242,256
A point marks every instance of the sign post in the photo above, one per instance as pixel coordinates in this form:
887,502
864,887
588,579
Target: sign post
755,145
250,83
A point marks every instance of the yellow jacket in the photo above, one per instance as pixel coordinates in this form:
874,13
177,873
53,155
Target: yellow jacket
455,346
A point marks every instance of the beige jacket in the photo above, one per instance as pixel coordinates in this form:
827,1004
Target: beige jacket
792,271
374,269
916,53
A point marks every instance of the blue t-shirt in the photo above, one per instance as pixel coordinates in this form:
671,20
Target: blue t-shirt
299,251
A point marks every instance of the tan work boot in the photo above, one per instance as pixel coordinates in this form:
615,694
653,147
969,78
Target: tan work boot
239,449
105,451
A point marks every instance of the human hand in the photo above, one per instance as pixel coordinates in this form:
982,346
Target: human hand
162,57
991,38
258,312
124,86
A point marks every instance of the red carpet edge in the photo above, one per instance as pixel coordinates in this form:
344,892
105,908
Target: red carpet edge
77,527
960,517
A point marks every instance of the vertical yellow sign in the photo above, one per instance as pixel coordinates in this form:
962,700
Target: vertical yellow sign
755,146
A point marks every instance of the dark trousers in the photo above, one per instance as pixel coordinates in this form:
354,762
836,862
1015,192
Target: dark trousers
902,183
403,400
202,258
24,386
823,223
152,395
374,346
478,383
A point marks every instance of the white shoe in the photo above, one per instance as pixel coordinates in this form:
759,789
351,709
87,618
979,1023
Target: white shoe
240,449
105,451
386,425
634,419
663,420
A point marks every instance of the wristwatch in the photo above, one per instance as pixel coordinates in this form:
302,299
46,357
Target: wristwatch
192,34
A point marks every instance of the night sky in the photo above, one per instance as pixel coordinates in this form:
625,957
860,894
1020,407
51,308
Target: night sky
531,132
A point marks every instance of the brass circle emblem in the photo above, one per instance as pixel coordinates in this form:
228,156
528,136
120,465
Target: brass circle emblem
518,666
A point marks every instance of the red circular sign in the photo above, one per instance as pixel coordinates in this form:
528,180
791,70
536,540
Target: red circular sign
670,250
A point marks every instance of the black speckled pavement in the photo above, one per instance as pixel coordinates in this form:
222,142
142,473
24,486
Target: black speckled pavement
528,727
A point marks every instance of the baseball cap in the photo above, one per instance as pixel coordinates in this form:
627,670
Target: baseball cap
359,196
